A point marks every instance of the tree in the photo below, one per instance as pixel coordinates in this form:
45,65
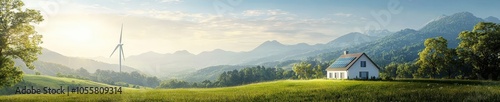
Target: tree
453,70
435,58
303,70
289,74
406,70
18,39
391,69
318,71
481,48
279,73
83,72
207,83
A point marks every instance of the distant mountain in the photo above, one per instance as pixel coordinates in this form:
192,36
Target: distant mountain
162,64
383,46
45,68
435,19
400,46
492,19
75,63
269,46
171,64
351,39
404,45
378,33
276,51
272,54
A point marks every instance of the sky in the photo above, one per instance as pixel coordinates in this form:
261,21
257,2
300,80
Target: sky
91,28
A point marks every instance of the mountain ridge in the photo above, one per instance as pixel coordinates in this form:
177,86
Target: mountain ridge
403,44
77,62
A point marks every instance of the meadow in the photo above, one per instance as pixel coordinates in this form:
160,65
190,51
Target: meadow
299,90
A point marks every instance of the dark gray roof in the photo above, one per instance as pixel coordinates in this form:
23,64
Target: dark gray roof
345,62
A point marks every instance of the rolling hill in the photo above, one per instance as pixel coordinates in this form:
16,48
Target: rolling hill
56,60
46,68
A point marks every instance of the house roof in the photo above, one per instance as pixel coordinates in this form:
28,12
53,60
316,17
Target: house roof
344,62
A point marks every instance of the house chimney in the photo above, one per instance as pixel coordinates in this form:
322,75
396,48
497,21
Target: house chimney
346,52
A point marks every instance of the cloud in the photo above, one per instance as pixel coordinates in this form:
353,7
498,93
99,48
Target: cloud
172,15
169,1
274,12
253,13
343,14
160,30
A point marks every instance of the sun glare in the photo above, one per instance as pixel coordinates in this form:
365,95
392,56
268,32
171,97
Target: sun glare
79,34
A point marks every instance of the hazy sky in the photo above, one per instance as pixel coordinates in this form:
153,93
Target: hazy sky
91,28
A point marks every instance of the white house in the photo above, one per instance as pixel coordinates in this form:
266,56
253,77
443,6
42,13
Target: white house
352,66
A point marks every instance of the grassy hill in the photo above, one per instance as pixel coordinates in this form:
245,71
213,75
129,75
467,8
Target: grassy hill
303,90
40,81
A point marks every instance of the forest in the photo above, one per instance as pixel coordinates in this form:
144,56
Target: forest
475,57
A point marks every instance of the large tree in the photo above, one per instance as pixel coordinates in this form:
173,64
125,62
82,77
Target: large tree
435,58
481,48
303,70
318,71
18,39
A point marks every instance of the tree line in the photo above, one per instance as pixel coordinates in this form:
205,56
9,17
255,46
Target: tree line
115,78
476,57
308,69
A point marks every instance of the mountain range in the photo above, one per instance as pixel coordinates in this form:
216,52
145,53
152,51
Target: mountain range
382,45
404,45
400,46
170,64
51,63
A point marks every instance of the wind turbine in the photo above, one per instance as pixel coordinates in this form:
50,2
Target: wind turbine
120,45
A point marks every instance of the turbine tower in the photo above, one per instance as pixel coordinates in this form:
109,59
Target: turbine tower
121,54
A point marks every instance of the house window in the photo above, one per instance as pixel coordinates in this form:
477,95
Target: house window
335,75
341,75
363,75
363,63
330,75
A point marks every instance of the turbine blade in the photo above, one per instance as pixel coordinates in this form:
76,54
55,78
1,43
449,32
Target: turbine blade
123,54
114,50
121,31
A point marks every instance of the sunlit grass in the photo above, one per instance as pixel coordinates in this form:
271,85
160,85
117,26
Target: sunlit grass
303,90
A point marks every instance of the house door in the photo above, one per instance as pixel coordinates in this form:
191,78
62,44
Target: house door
363,75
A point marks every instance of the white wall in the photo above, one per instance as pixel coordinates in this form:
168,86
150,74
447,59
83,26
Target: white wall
333,74
372,70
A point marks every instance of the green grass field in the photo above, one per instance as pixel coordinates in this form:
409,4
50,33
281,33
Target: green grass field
298,90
